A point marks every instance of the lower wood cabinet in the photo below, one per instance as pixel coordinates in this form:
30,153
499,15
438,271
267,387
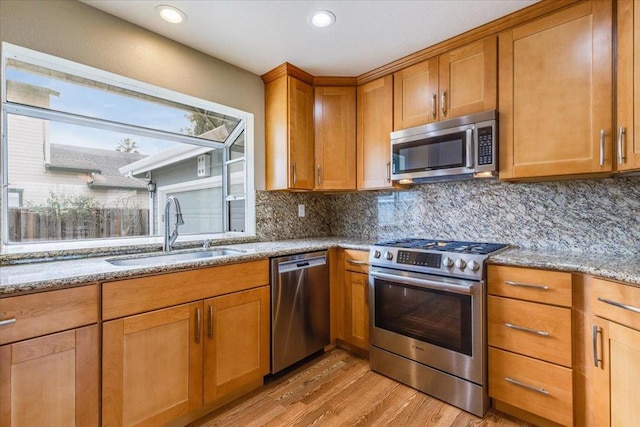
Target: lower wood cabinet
356,298
530,339
160,365
613,368
51,380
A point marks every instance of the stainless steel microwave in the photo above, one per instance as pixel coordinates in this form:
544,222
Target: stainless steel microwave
460,148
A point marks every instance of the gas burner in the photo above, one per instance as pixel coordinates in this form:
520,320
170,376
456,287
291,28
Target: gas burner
445,246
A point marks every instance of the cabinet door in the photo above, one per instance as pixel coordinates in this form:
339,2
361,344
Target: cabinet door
628,86
468,79
236,355
374,125
152,366
301,170
615,381
357,309
415,95
556,94
52,380
335,138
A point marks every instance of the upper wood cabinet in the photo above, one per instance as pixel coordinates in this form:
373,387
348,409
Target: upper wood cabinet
556,94
374,126
462,81
628,86
289,134
335,138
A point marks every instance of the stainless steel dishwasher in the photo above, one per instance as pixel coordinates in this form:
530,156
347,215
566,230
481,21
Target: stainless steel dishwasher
299,307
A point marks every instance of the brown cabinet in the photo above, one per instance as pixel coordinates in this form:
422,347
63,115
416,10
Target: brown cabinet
555,94
374,124
613,371
628,86
460,82
356,298
335,138
289,134
52,379
530,342
168,357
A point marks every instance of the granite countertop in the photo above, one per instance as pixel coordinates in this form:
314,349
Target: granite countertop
42,276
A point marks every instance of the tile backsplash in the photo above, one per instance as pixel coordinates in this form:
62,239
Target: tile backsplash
598,215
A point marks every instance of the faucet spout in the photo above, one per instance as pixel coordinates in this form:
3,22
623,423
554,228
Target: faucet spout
169,239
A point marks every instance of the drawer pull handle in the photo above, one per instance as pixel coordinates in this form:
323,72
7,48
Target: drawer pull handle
526,285
355,262
527,386
6,322
522,328
596,331
620,305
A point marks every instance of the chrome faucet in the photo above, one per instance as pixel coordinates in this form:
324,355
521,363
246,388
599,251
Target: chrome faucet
169,240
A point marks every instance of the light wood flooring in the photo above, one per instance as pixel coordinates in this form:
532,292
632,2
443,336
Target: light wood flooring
339,389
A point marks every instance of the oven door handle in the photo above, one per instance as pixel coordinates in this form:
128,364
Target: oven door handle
422,283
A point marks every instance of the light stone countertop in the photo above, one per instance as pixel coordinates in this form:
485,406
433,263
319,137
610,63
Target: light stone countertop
43,276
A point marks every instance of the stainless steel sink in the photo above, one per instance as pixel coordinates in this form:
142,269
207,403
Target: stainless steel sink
173,258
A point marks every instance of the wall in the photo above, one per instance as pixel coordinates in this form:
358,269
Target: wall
75,31
599,215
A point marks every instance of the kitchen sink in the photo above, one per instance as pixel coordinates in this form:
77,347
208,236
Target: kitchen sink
172,258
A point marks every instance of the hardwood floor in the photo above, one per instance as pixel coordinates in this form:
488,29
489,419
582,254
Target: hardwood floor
339,389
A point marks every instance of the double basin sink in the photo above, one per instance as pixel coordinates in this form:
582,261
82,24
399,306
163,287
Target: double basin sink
172,258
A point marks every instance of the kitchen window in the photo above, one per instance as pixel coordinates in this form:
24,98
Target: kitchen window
93,157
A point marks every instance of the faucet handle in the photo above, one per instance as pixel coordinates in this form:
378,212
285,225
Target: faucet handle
206,244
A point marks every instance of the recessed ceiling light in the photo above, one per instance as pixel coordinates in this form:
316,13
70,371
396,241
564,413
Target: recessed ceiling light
171,14
322,18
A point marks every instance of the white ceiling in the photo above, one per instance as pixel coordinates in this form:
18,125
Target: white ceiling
258,35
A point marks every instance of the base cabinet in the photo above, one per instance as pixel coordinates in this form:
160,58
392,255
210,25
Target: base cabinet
613,371
51,380
356,298
160,365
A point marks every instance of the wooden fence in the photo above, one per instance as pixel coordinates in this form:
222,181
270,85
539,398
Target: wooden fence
27,226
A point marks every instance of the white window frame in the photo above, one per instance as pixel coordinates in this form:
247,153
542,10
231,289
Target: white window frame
10,51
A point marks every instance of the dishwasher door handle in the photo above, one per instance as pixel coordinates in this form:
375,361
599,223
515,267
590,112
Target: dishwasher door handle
301,264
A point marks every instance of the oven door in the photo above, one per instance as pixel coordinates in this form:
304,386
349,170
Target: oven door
433,320
433,154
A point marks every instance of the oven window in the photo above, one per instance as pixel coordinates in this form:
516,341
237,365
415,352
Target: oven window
437,317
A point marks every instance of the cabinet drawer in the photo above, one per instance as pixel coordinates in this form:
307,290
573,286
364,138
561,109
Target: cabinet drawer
550,287
133,296
536,330
615,301
357,261
47,312
538,387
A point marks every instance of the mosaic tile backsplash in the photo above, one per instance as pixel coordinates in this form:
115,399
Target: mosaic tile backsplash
598,215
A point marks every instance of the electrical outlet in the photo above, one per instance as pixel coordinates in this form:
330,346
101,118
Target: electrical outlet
301,211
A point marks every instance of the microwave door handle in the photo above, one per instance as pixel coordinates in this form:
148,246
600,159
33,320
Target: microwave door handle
470,153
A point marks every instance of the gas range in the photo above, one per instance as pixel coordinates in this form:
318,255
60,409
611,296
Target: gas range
442,257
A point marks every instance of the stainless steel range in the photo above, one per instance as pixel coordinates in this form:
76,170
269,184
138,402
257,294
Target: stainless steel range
428,320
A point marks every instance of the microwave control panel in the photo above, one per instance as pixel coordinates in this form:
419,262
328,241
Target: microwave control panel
485,145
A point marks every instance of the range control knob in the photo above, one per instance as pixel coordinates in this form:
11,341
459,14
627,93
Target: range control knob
474,266
461,264
376,254
447,262
388,255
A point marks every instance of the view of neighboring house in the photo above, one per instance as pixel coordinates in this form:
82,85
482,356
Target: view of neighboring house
40,168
